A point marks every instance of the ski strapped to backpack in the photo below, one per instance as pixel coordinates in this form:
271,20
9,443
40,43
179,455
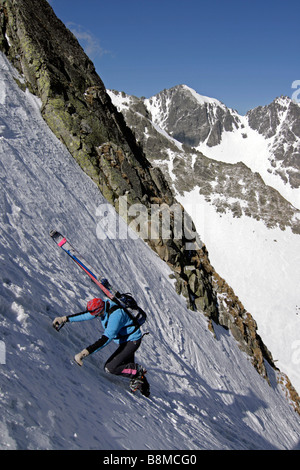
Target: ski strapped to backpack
124,301
66,246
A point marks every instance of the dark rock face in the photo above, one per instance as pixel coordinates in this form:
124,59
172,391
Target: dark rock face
78,110
192,122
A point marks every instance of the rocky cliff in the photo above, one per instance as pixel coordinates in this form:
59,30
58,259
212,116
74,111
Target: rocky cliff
192,119
78,110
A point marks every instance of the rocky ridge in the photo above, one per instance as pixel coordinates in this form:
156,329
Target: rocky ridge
78,110
279,122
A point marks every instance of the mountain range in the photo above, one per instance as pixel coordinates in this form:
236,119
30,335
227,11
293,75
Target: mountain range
266,140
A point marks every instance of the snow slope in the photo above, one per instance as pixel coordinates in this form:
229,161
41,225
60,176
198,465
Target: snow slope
205,392
255,152
263,267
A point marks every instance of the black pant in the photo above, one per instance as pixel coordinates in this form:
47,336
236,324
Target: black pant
121,362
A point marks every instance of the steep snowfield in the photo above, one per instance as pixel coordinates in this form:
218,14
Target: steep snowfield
263,268
254,151
205,392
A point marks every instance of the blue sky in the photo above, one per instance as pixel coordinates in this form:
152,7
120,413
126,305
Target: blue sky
245,53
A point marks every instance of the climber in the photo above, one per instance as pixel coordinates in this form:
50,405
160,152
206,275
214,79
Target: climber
119,327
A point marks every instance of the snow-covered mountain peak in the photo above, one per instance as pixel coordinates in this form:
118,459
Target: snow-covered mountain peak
189,117
279,124
266,139
201,99
283,100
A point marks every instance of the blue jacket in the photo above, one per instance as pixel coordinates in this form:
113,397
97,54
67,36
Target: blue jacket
118,327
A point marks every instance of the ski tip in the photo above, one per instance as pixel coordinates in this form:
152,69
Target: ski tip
55,234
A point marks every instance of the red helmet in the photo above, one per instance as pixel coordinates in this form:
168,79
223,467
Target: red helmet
95,306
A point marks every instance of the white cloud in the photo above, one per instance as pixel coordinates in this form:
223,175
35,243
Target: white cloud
88,41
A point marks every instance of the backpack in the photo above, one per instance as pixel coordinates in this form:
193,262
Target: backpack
130,306
128,303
